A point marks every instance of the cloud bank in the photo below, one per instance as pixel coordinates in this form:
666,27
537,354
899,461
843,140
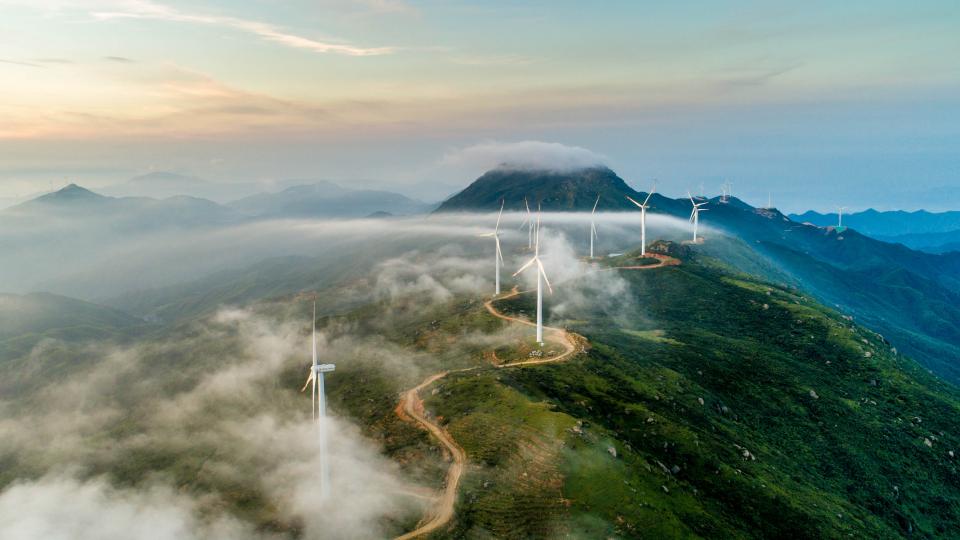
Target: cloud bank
523,155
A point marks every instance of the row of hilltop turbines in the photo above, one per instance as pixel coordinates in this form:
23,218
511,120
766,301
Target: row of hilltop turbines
533,243
315,380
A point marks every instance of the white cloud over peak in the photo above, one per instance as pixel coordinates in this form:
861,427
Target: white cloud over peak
523,155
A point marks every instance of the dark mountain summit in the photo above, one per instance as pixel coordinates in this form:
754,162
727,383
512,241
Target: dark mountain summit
70,194
555,190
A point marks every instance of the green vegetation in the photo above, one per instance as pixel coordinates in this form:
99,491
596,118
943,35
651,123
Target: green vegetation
735,408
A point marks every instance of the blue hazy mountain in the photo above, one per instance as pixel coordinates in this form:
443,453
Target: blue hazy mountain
84,207
895,223
934,242
935,232
326,199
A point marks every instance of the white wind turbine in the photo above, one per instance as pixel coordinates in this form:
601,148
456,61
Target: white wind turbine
643,219
840,217
498,256
593,226
541,279
529,223
695,215
318,407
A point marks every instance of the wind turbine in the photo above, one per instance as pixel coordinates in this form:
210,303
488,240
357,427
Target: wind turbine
318,407
840,217
643,219
497,257
695,215
541,279
529,223
593,226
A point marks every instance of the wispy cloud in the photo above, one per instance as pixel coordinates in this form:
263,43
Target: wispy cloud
119,59
145,9
18,63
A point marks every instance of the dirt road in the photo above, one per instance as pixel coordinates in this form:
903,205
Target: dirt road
411,406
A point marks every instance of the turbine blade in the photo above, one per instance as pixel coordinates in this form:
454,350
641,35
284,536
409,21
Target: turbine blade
524,267
544,274
500,255
309,380
645,201
595,204
634,202
497,228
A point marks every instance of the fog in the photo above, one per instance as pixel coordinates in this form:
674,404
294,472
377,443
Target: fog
77,258
197,429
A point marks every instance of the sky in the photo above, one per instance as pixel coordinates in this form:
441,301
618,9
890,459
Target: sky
818,104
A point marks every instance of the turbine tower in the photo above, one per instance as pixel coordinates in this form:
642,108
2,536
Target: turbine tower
593,226
541,279
840,217
643,219
529,223
695,215
318,407
498,256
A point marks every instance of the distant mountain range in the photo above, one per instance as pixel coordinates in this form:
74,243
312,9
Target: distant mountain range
320,200
327,200
911,296
935,232
130,213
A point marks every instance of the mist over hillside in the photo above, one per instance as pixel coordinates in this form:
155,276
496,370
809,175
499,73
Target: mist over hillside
706,390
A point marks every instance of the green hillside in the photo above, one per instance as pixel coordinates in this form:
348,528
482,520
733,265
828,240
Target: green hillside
709,404
27,319
911,296
730,408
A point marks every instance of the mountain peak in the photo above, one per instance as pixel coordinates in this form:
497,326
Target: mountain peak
557,190
71,192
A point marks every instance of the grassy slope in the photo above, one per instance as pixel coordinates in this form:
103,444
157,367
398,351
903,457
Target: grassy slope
760,457
541,440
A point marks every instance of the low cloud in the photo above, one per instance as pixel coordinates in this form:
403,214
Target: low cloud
208,399
60,507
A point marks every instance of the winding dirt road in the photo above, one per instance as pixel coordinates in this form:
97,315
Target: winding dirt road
411,406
